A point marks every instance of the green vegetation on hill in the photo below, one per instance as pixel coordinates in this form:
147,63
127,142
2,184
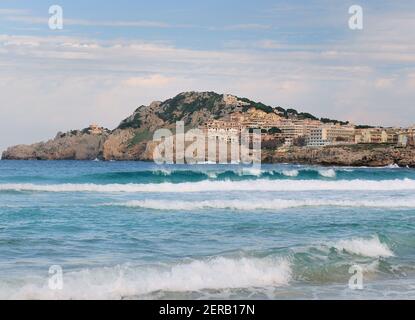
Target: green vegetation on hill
306,115
327,120
176,108
280,110
140,136
131,122
364,126
186,104
291,112
256,105
274,130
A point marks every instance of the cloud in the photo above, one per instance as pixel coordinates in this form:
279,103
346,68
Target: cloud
269,44
95,23
24,16
155,80
6,12
248,26
411,80
384,83
132,24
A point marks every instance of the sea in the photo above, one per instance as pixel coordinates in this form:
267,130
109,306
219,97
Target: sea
137,230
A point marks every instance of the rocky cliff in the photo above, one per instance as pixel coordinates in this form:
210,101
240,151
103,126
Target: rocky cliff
74,145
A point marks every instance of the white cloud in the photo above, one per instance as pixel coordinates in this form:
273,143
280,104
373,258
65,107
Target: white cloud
96,23
24,16
7,12
155,80
248,26
269,44
384,83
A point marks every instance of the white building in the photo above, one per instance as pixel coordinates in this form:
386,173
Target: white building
402,140
317,137
291,130
329,135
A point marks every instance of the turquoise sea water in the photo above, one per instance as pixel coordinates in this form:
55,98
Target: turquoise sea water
133,230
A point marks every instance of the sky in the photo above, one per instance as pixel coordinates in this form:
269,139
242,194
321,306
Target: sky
112,56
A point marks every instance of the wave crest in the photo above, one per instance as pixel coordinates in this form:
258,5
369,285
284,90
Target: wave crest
290,173
222,186
329,173
242,205
126,281
365,247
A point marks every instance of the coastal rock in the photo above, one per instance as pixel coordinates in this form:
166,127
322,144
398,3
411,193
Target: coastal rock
116,146
74,145
373,155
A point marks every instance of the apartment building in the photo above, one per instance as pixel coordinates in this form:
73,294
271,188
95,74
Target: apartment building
371,135
329,135
340,134
223,130
402,140
392,135
254,118
292,131
317,137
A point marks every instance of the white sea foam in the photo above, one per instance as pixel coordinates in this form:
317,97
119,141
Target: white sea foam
393,166
329,173
206,162
372,247
127,281
212,174
223,186
250,172
162,172
290,173
242,205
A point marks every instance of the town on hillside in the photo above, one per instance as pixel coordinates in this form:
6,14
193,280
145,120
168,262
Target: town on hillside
279,131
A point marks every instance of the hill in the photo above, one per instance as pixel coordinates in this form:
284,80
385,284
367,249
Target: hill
129,140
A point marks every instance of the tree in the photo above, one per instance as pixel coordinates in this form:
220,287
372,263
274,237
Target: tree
274,130
299,141
272,144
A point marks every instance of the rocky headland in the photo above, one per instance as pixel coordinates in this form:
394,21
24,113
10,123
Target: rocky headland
132,139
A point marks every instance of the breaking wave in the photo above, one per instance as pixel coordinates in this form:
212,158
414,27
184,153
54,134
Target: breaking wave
290,173
175,175
221,186
219,274
365,247
127,281
241,205
330,173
